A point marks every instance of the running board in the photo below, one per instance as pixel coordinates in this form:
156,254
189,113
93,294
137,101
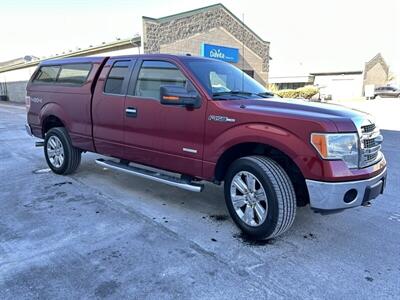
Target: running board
156,176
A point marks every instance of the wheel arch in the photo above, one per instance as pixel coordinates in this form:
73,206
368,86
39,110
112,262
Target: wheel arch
50,122
52,115
255,148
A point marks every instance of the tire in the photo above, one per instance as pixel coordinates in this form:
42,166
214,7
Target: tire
58,141
270,180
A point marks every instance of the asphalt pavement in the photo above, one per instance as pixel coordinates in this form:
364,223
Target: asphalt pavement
101,234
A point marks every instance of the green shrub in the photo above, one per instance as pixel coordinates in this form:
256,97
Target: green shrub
289,93
308,91
304,92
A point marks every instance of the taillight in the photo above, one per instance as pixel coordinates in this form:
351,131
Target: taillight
28,102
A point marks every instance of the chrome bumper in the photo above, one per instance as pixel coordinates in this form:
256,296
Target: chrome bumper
331,195
28,129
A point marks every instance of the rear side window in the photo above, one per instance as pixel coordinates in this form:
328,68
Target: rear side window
118,73
47,74
154,74
74,73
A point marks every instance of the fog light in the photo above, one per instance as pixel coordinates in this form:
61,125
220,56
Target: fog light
350,196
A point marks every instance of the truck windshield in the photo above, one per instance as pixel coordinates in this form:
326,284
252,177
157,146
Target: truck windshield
224,81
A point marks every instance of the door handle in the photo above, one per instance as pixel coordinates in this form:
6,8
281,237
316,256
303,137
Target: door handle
131,112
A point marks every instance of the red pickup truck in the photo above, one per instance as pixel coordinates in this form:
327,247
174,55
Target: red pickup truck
197,119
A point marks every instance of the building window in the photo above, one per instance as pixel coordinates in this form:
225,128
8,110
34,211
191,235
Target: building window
249,72
291,85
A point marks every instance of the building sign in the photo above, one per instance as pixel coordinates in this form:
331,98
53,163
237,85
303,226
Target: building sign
219,52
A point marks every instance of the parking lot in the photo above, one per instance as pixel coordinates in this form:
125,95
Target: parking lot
101,234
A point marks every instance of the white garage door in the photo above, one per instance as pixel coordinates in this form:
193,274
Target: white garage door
345,88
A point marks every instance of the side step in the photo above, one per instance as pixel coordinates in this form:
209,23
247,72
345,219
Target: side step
156,176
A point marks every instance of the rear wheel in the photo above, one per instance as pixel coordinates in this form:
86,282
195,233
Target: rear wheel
61,156
260,197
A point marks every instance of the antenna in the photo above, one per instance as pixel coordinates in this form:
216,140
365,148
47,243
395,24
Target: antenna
243,51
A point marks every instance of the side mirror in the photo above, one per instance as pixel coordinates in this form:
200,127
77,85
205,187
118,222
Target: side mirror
177,95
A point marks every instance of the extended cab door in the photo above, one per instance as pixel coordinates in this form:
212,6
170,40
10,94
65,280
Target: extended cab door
167,137
108,106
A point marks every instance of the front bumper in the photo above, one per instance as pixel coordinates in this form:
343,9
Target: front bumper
332,195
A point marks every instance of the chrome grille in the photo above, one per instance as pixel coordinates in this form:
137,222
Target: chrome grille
368,128
370,140
371,157
369,143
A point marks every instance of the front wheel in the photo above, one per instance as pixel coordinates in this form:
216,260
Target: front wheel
260,197
61,156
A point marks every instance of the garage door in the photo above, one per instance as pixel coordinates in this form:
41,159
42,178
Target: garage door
344,88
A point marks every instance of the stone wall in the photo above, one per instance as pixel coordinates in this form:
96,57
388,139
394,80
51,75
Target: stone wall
16,81
376,71
16,91
166,31
376,75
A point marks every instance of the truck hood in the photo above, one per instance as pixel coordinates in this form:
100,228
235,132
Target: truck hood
344,118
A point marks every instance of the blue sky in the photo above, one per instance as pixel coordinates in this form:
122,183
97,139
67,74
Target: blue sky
305,36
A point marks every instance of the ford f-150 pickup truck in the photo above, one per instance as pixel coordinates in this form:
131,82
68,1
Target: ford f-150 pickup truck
181,120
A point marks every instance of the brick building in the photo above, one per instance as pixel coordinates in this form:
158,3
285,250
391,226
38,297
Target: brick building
214,26
376,71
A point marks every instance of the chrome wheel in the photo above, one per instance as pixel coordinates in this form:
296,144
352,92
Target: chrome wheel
55,151
249,198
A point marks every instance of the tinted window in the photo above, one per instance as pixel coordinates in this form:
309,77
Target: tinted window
47,74
118,73
220,77
154,74
74,73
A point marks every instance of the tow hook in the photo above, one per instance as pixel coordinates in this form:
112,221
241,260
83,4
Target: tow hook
39,144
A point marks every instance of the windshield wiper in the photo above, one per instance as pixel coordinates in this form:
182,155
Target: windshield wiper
266,94
233,93
245,93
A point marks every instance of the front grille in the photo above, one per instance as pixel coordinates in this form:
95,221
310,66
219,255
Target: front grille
370,141
368,128
368,158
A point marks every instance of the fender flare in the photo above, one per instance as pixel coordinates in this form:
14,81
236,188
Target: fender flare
297,148
53,109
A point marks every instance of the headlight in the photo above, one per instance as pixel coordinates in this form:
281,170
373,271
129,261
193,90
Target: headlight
342,146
